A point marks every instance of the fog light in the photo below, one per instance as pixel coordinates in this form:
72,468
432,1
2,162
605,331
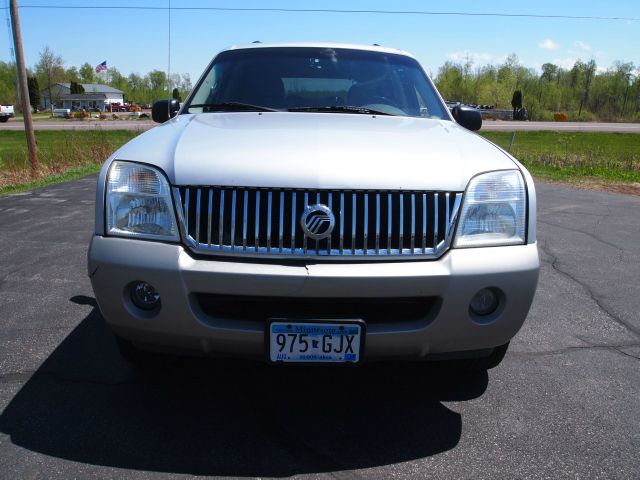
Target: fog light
484,302
144,296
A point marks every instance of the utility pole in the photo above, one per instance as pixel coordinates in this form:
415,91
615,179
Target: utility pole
24,90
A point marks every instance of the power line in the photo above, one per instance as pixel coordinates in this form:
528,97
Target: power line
329,10
10,43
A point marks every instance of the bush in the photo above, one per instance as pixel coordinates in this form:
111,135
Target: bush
560,117
585,116
541,116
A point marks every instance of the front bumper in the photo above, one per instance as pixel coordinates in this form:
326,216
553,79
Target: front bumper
181,324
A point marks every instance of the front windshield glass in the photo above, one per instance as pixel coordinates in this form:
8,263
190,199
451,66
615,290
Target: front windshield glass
307,79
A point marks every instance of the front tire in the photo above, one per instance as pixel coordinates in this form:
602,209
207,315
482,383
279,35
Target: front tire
4,119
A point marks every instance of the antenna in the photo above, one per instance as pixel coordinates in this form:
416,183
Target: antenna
169,51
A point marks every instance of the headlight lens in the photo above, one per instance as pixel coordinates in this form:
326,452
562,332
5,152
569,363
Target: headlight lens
139,203
493,211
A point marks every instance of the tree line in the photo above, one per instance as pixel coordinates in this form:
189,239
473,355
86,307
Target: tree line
51,69
582,92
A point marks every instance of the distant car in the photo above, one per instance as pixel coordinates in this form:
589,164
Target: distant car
314,203
116,107
6,112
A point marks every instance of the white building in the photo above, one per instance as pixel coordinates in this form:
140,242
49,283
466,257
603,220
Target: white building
95,96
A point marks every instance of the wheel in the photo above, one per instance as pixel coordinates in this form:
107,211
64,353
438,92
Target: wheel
142,359
481,363
4,119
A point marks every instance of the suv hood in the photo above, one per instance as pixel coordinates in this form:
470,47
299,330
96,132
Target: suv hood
316,150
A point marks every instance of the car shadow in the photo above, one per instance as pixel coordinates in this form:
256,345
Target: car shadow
231,418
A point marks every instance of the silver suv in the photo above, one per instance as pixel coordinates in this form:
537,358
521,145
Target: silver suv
314,203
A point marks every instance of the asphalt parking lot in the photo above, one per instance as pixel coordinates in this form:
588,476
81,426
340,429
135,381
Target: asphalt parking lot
565,403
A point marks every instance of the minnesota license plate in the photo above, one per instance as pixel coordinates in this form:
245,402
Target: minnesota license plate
317,342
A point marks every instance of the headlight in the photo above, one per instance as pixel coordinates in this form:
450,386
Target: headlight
493,211
139,203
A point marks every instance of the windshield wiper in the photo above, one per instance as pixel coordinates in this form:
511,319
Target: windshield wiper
232,107
340,109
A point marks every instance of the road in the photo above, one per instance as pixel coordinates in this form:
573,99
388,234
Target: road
561,126
17,124
141,125
565,402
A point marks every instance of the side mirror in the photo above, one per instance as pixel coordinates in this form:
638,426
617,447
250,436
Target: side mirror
165,109
469,117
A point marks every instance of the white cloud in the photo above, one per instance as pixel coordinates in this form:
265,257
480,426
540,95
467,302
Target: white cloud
474,57
567,62
582,46
549,44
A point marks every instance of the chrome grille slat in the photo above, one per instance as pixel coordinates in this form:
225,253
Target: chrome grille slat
341,223
221,221
281,222
239,220
366,222
245,204
233,218
198,197
186,209
269,207
353,223
257,221
389,221
293,222
401,230
330,205
209,213
377,223
304,239
413,222
424,223
436,204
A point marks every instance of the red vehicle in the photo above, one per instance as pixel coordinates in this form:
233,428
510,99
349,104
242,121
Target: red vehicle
116,107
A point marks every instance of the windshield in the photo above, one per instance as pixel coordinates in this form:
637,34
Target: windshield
315,80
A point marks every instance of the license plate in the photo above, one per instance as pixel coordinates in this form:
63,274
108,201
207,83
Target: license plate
315,342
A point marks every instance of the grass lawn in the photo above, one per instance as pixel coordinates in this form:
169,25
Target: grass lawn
63,155
568,156
612,158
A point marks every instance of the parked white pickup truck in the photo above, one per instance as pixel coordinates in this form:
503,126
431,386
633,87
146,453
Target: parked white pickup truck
6,112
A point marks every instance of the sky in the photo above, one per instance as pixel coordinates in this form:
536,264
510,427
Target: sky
134,40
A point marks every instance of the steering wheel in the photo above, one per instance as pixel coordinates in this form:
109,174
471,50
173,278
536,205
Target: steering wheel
381,99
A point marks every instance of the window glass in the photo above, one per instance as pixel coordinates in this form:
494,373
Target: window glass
295,78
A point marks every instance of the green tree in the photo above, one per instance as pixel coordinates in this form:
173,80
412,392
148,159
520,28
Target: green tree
87,73
73,75
34,92
7,83
76,87
50,70
516,104
549,72
116,80
158,85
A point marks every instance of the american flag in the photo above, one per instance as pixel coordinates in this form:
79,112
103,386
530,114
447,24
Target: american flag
101,67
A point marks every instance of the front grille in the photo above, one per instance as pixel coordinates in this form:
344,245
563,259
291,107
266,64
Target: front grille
266,221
